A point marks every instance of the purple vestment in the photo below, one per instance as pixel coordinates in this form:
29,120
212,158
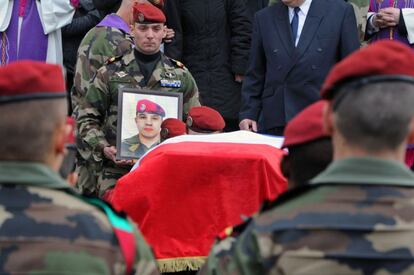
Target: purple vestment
32,43
392,32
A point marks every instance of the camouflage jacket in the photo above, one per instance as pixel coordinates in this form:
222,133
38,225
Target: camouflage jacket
360,9
357,217
98,112
98,45
45,228
133,148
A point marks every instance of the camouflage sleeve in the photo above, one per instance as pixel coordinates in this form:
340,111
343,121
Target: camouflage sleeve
361,10
190,94
239,255
96,48
145,263
91,116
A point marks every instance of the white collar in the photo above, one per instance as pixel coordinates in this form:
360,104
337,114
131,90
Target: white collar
304,8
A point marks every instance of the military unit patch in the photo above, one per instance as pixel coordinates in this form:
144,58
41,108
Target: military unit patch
170,83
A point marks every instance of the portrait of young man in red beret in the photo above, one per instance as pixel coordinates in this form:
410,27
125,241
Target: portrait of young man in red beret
148,120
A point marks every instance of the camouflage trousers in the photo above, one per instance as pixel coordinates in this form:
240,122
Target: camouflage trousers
108,177
87,178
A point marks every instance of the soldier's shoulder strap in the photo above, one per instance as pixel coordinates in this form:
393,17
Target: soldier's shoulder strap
124,231
113,59
177,63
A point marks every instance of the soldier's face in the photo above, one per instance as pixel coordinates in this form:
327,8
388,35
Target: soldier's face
148,37
149,125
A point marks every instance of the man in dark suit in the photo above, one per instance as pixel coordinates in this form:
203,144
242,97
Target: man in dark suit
294,45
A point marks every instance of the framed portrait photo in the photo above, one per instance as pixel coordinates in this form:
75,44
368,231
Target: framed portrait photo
140,115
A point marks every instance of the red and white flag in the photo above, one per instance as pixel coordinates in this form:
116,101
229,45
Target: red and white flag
190,188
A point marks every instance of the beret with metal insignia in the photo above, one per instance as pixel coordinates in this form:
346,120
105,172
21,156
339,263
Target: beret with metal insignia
172,127
150,107
204,119
146,13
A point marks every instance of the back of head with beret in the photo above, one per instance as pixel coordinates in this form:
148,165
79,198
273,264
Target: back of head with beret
204,119
172,127
29,80
381,61
307,126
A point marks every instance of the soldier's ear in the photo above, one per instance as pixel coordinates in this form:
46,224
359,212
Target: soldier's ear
285,166
411,132
328,119
62,131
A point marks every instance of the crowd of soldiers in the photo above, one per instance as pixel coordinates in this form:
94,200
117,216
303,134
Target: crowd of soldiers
348,205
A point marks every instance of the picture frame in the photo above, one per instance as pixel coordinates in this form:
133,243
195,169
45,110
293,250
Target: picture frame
140,114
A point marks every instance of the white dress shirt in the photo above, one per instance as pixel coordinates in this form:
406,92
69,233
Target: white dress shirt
304,8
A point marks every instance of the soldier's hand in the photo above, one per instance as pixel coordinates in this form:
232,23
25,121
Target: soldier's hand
248,124
110,153
170,33
238,78
124,162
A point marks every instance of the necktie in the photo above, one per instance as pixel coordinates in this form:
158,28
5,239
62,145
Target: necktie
295,23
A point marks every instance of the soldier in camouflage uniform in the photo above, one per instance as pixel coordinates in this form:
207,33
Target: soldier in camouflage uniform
146,68
109,38
149,116
45,227
360,9
356,217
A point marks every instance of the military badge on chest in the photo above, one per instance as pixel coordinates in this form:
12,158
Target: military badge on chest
170,80
121,74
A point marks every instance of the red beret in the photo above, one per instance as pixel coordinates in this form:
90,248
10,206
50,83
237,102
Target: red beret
147,13
306,126
380,61
204,119
147,106
172,127
27,80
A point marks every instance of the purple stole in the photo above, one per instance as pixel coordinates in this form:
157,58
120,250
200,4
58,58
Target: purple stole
114,21
32,43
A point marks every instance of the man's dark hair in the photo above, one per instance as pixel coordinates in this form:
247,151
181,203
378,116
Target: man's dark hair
27,128
375,117
307,160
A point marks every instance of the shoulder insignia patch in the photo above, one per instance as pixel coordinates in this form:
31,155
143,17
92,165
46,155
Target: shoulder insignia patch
178,63
112,59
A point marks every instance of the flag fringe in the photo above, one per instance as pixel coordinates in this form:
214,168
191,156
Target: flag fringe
180,264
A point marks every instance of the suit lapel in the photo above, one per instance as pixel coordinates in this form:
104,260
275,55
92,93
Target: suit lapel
283,27
316,12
